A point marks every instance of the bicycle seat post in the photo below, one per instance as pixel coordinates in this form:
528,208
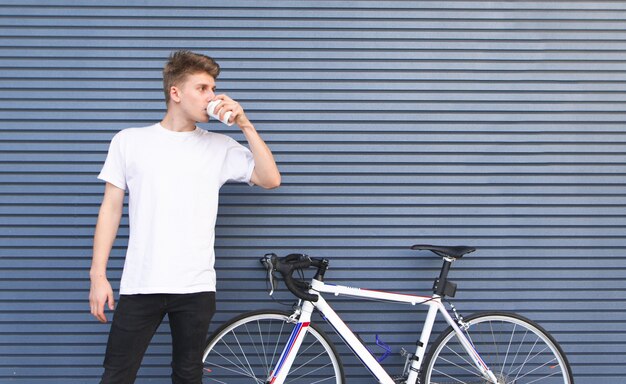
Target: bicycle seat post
442,286
445,268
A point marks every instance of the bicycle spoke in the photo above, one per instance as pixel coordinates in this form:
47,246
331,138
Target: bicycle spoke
267,363
303,351
240,370
453,378
307,362
217,381
508,348
495,343
245,373
519,348
322,380
240,365
477,374
462,358
545,377
274,354
539,367
245,356
309,373
527,359
254,344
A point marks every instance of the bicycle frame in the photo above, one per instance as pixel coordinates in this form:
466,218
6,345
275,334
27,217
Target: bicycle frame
281,370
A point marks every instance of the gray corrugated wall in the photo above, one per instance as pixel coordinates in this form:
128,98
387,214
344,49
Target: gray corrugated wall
493,124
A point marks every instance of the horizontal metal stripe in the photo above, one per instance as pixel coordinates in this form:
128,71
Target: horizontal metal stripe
317,11
293,22
151,80
312,242
292,5
347,140
402,266
468,291
333,50
229,258
193,35
323,99
317,19
145,117
46,190
71,221
369,169
576,311
420,278
468,128
138,76
354,211
416,147
382,108
352,231
59,77
101,56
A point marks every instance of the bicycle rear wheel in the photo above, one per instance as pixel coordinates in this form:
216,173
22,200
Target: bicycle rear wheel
516,349
247,348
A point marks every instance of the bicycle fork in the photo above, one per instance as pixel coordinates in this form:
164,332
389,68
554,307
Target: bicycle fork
282,368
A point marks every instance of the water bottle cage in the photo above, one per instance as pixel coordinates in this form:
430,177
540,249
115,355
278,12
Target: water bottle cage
380,343
444,288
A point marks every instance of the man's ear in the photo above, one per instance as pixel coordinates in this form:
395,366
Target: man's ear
175,94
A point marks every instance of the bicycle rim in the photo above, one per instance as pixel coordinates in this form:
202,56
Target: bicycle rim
247,348
517,350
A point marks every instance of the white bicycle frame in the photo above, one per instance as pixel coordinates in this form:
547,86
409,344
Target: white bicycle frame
282,368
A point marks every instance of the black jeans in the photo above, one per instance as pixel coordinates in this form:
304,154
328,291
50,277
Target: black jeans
137,318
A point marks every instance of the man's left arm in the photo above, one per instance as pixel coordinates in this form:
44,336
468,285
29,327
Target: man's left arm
265,172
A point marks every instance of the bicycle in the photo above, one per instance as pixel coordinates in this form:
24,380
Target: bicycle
276,347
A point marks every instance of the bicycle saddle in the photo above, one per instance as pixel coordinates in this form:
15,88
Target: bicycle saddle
455,252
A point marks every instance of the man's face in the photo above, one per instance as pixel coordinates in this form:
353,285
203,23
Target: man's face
194,96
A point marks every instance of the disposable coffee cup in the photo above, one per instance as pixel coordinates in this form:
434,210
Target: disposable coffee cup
211,108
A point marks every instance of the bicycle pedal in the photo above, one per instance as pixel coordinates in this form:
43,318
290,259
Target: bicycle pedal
399,379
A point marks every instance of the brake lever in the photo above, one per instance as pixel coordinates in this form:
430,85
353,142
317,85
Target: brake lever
273,283
268,262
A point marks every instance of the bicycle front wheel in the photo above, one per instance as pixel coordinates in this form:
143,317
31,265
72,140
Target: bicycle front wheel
516,349
247,348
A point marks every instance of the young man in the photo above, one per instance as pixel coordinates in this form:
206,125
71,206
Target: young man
173,171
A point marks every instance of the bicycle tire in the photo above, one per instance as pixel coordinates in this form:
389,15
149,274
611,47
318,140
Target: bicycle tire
246,348
518,351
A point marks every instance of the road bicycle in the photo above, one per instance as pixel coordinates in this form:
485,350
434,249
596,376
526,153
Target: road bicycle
276,347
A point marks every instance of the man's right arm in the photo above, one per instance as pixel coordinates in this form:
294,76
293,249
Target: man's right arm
108,223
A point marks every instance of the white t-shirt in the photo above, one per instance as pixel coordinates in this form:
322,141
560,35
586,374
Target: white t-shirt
173,181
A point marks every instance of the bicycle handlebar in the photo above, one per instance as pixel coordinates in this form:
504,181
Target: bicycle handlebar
286,267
